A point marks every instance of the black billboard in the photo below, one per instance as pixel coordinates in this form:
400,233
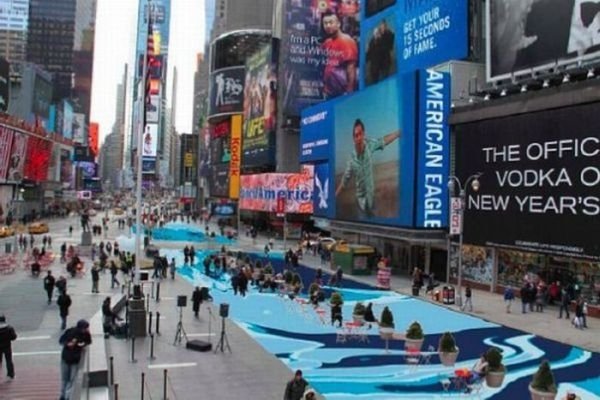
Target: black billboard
218,180
226,91
4,84
83,153
540,188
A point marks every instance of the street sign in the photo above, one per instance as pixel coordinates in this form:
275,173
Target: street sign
455,216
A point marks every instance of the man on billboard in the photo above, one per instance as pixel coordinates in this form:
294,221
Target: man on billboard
360,167
341,57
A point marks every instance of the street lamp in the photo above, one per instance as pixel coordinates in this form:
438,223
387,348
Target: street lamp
453,182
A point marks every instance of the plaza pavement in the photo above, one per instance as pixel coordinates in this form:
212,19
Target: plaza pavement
247,372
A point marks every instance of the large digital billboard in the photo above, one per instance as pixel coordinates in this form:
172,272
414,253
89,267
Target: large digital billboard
379,48
263,192
226,91
433,32
6,138
260,100
218,180
522,35
42,96
374,6
79,128
316,128
320,52
218,145
66,169
150,140
17,158
374,153
67,126
39,154
540,188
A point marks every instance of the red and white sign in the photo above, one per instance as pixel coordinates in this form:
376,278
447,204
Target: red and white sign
6,138
455,216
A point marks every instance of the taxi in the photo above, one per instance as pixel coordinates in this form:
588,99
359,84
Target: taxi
6,231
36,228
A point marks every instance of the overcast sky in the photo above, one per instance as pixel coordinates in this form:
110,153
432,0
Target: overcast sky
114,47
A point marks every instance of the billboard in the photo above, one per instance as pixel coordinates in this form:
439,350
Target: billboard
150,140
226,91
433,32
218,180
379,48
235,163
66,168
93,133
88,169
540,185
17,158
39,154
374,6
319,52
223,209
67,127
79,128
6,138
522,35
4,84
316,128
218,144
323,191
433,155
149,165
260,100
152,109
261,192
374,155
42,96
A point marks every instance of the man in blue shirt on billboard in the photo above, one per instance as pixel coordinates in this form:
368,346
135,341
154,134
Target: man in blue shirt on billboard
360,166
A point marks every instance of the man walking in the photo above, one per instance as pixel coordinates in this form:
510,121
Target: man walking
49,283
468,300
7,335
73,340
64,302
294,390
95,278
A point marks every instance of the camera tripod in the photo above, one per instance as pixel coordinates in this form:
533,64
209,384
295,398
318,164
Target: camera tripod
180,331
223,341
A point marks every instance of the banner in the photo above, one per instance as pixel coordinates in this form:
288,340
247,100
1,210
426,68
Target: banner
4,86
152,109
324,191
93,133
319,52
67,125
433,160
525,35
379,48
226,91
236,157
66,169
260,101
539,191
433,32
455,216
316,128
17,158
39,153
150,140
6,139
79,128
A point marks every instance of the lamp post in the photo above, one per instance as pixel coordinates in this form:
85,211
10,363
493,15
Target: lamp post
453,182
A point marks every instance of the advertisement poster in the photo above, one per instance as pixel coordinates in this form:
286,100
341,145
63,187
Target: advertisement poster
93,138
152,109
374,6
316,126
17,158
433,155
218,181
79,128
522,35
218,145
6,138
226,91
67,127
539,191
379,48
320,52
374,156
88,169
150,140
432,32
42,96
260,100
66,168
39,153
148,165
261,192
235,164
323,191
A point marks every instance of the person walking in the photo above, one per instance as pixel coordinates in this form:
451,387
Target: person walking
294,389
64,302
61,284
196,301
172,268
7,335
468,299
565,302
73,340
95,278
113,274
49,283
509,296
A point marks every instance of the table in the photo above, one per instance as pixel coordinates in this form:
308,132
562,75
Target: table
462,377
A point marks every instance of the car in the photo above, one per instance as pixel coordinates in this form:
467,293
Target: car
37,228
6,231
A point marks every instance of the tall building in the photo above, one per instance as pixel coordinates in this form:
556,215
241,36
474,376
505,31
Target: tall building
14,15
83,55
51,39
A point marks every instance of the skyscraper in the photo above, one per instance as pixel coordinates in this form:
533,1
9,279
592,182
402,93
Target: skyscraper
14,16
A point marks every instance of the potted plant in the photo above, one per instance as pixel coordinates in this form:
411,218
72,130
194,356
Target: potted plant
414,337
543,387
495,370
447,349
386,324
358,315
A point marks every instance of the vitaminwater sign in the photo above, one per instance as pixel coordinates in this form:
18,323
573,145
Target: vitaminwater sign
540,188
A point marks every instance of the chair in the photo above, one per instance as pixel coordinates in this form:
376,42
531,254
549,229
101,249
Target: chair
426,356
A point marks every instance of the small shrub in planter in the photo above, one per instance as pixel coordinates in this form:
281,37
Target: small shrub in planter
386,325
414,337
495,370
543,385
359,312
447,349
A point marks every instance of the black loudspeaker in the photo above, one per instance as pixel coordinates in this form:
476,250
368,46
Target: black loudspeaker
224,310
182,301
143,276
198,345
137,291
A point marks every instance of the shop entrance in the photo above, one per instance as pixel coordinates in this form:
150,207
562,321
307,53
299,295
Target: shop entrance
438,264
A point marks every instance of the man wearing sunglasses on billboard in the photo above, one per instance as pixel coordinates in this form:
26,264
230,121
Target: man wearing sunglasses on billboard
360,167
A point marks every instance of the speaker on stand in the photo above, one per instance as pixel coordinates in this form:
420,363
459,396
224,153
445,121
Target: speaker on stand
223,341
181,303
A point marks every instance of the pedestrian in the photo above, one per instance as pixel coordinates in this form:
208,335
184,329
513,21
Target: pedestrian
108,318
524,296
192,255
196,301
584,310
95,278
49,241
113,274
73,340
7,335
294,390
49,283
267,250
61,284
509,296
63,252
565,303
172,268
64,302
70,230
468,298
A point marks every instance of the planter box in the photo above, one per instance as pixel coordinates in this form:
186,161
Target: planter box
494,379
386,333
537,395
448,359
413,344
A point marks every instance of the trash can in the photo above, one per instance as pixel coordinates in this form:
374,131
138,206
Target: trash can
8,247
448,295
415,290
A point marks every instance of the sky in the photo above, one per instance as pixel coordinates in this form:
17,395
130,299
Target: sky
115,46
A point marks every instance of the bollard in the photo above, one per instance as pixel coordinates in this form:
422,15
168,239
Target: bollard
112,370
116,391
152,289
165,385
147,301
151,347
157,292
150,323
133,360
143,381
157,323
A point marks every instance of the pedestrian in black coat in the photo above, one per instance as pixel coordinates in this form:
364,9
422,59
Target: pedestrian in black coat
49,283
196,301
64,302
294,390
7,335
